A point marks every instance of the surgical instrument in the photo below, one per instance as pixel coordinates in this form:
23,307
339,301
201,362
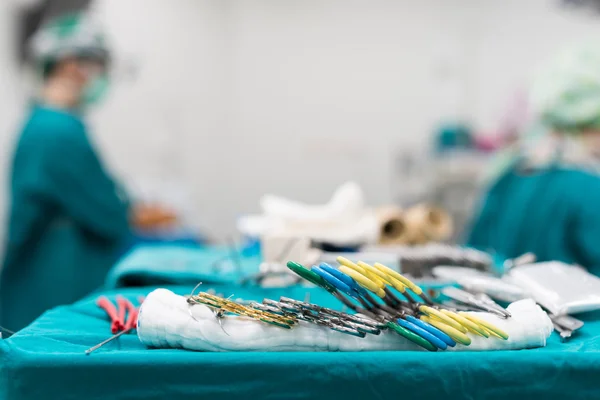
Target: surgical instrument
458,321
125,307
480,302
392,311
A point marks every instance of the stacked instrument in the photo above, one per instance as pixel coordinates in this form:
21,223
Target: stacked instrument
380,298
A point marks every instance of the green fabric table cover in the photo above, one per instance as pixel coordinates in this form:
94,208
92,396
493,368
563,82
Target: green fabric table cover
154,265
47,361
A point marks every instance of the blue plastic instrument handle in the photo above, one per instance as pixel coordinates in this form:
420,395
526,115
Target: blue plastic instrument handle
340,275
423,333
431,329
344,278
335,282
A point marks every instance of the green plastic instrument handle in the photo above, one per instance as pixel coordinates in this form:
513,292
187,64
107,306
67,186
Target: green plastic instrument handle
413,337
310,276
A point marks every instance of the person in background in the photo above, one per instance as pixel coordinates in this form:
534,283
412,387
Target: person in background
547,200
68,219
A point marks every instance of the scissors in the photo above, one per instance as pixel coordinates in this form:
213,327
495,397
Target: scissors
317,308
369,302
119,325
374,310
345,282
442,327
365,275
350,277
376,282
335,320
462,322
319,281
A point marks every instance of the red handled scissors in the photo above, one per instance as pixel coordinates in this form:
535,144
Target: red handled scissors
123,318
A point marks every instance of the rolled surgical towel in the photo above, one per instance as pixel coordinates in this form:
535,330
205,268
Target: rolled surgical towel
167,321
343,221
348,202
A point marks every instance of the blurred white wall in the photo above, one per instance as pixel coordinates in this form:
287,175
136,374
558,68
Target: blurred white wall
293,97
163,130
236,98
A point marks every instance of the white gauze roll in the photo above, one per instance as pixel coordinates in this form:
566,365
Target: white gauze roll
167,321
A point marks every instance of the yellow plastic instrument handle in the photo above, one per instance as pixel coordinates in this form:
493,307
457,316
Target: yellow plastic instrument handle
374,271
491,333
399,286
407,282
372,277
363,280
485,333
347,263
456,335
384,276
494,330
432,312
470,325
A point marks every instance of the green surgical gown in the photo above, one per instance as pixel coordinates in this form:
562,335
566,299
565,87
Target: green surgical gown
67,221
554,213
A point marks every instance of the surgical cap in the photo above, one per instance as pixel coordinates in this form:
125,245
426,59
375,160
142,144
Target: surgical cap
566,94
74,35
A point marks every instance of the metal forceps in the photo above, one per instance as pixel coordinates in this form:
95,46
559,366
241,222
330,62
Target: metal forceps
221,306
216,312
483,303
359,323
307,312
333,324
338,321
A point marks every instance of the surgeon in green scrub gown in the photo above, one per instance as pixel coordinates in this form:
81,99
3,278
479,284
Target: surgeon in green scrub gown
547,200
68,220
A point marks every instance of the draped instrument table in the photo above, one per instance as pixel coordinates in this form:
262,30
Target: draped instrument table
168,264
47,361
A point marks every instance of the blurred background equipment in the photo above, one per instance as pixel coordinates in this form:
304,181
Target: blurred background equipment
428,224
420,260
346,221
419,224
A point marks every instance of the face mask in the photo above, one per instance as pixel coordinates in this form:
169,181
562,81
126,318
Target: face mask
95,90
